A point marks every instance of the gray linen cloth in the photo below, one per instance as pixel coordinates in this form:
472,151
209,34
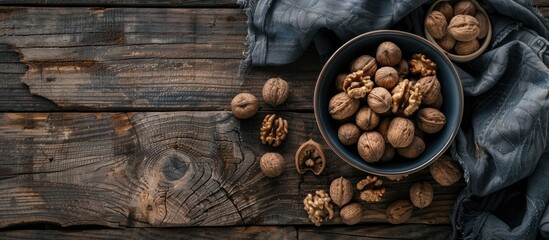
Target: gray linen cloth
502,144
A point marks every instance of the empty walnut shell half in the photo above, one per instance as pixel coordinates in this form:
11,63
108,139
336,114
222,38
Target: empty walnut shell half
273,130
310,157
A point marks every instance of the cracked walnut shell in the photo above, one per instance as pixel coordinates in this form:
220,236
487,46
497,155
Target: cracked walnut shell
318,207
464,28
275,91
341,191
406,97
273,130
370,189
358,84
310,157
420,64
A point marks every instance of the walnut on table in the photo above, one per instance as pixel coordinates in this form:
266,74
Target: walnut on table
371,189
318,207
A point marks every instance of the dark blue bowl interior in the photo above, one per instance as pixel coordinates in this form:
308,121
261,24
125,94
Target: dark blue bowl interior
436,144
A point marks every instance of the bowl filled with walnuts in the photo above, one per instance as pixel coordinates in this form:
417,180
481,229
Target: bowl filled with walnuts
388,102
461,29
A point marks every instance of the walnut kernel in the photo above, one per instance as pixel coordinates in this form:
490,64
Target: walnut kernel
310,157
318,207
422,65
370,189
358,84
271,164
273,130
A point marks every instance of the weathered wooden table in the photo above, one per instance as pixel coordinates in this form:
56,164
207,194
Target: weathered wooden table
115,124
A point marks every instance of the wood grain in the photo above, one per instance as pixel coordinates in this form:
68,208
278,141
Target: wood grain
125,3
168,169
378,231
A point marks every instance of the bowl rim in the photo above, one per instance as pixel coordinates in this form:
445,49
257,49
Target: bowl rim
338,151
455,57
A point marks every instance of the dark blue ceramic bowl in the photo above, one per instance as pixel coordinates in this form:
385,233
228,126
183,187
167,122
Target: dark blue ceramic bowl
436,144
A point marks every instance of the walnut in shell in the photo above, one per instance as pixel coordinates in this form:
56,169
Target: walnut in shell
445,171
465,8
342,106
351,214
447,42
383,128
348,133
340,79
402,68
446,9
371,189
357,84
430,89
466,48
463,28
388,54
310,157
341,191
436,24
388,154
366,63
386,77
430,120
483,24
244,105
399,211
421,194
401,132
380,100
366,118
271,164
318,207
413,150
371,146
422,65
275,91
273,130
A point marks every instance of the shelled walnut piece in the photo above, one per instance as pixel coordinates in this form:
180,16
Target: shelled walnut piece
370,189
318,207
420,64
310,157
358,84
273,130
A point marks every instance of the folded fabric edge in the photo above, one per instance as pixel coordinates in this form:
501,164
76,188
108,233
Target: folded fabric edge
248,6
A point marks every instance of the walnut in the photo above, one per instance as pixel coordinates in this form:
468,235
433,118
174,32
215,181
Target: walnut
341,191
388,154
273,130
402,67
244,105
430,120
275,91
380,100
413,150
383,128
399,211
348,133
310,157
271,164
464,7
447,42
318,207
357,84
445,171
421,194
370,189
366,63
436,24
340,79
366,118
446,9
463,28
406,97
438,103
483,24
388,54
351,214
371,146
430,89
466,48
422,65
401,132
386,77
342,106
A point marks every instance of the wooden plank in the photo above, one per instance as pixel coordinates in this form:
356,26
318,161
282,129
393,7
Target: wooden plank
141,59
253,232
124,3
168,169
377,231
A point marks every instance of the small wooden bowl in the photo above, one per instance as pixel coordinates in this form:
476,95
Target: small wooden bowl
462,58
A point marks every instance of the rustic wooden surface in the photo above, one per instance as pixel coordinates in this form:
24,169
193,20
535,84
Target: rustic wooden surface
114,116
